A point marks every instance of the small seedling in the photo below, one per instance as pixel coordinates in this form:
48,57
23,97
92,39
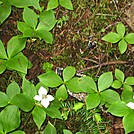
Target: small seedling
120,37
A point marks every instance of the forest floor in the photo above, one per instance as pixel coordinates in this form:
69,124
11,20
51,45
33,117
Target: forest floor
77,42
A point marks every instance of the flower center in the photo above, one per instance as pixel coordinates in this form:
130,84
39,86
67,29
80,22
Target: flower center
44,96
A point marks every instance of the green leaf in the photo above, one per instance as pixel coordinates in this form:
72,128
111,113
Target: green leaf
18,132
119,75
10,118
65,131
50,129
25,29
28,88
118,108
105,81
111,37
38,119
47,66
127,87
116,84
2,66
24,3
30,17
129,80
73,85
130,38
3,99
5,10
53,112
68,73
78,106
87,84
122,46
3,54
23,101
128,122
61,93
52,4
66,3
127,96
110,96
12,90
18,63
50,79
47,20
120,29
15,45
92,101
45,35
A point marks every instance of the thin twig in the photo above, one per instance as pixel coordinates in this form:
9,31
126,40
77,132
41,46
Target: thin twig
103,64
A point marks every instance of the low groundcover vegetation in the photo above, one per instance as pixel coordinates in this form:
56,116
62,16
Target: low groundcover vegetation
46,99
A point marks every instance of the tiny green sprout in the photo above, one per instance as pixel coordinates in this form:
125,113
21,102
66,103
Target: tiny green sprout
120,37
98,117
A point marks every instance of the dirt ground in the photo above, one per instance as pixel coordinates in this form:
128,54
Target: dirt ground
77,42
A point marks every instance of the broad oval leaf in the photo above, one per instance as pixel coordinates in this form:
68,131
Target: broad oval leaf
38,119
18,132
24,3
18,63
23,101
129,80
15,45
5,10
61,93
52,4
2,65
3,99
130,38
116,84
50,129
65,131
105,81
66,3
73,85
25,29
47,20
87,84
3,54
30,17
10,118
119,75
111,37
92,101
118,108
50,79
128,122
12,90
127,96
53,112
45,35
122,46
68,73
127,87
28,88
110,96
120,29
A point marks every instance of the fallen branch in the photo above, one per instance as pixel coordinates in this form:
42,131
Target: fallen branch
103,64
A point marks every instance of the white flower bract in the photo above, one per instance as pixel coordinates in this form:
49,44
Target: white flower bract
43,97
130,105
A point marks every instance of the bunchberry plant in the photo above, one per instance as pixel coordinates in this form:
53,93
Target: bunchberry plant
64,3
120,37
125,109
121,81
14,59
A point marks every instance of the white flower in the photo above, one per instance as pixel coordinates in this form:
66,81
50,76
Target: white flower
130,105
43,97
